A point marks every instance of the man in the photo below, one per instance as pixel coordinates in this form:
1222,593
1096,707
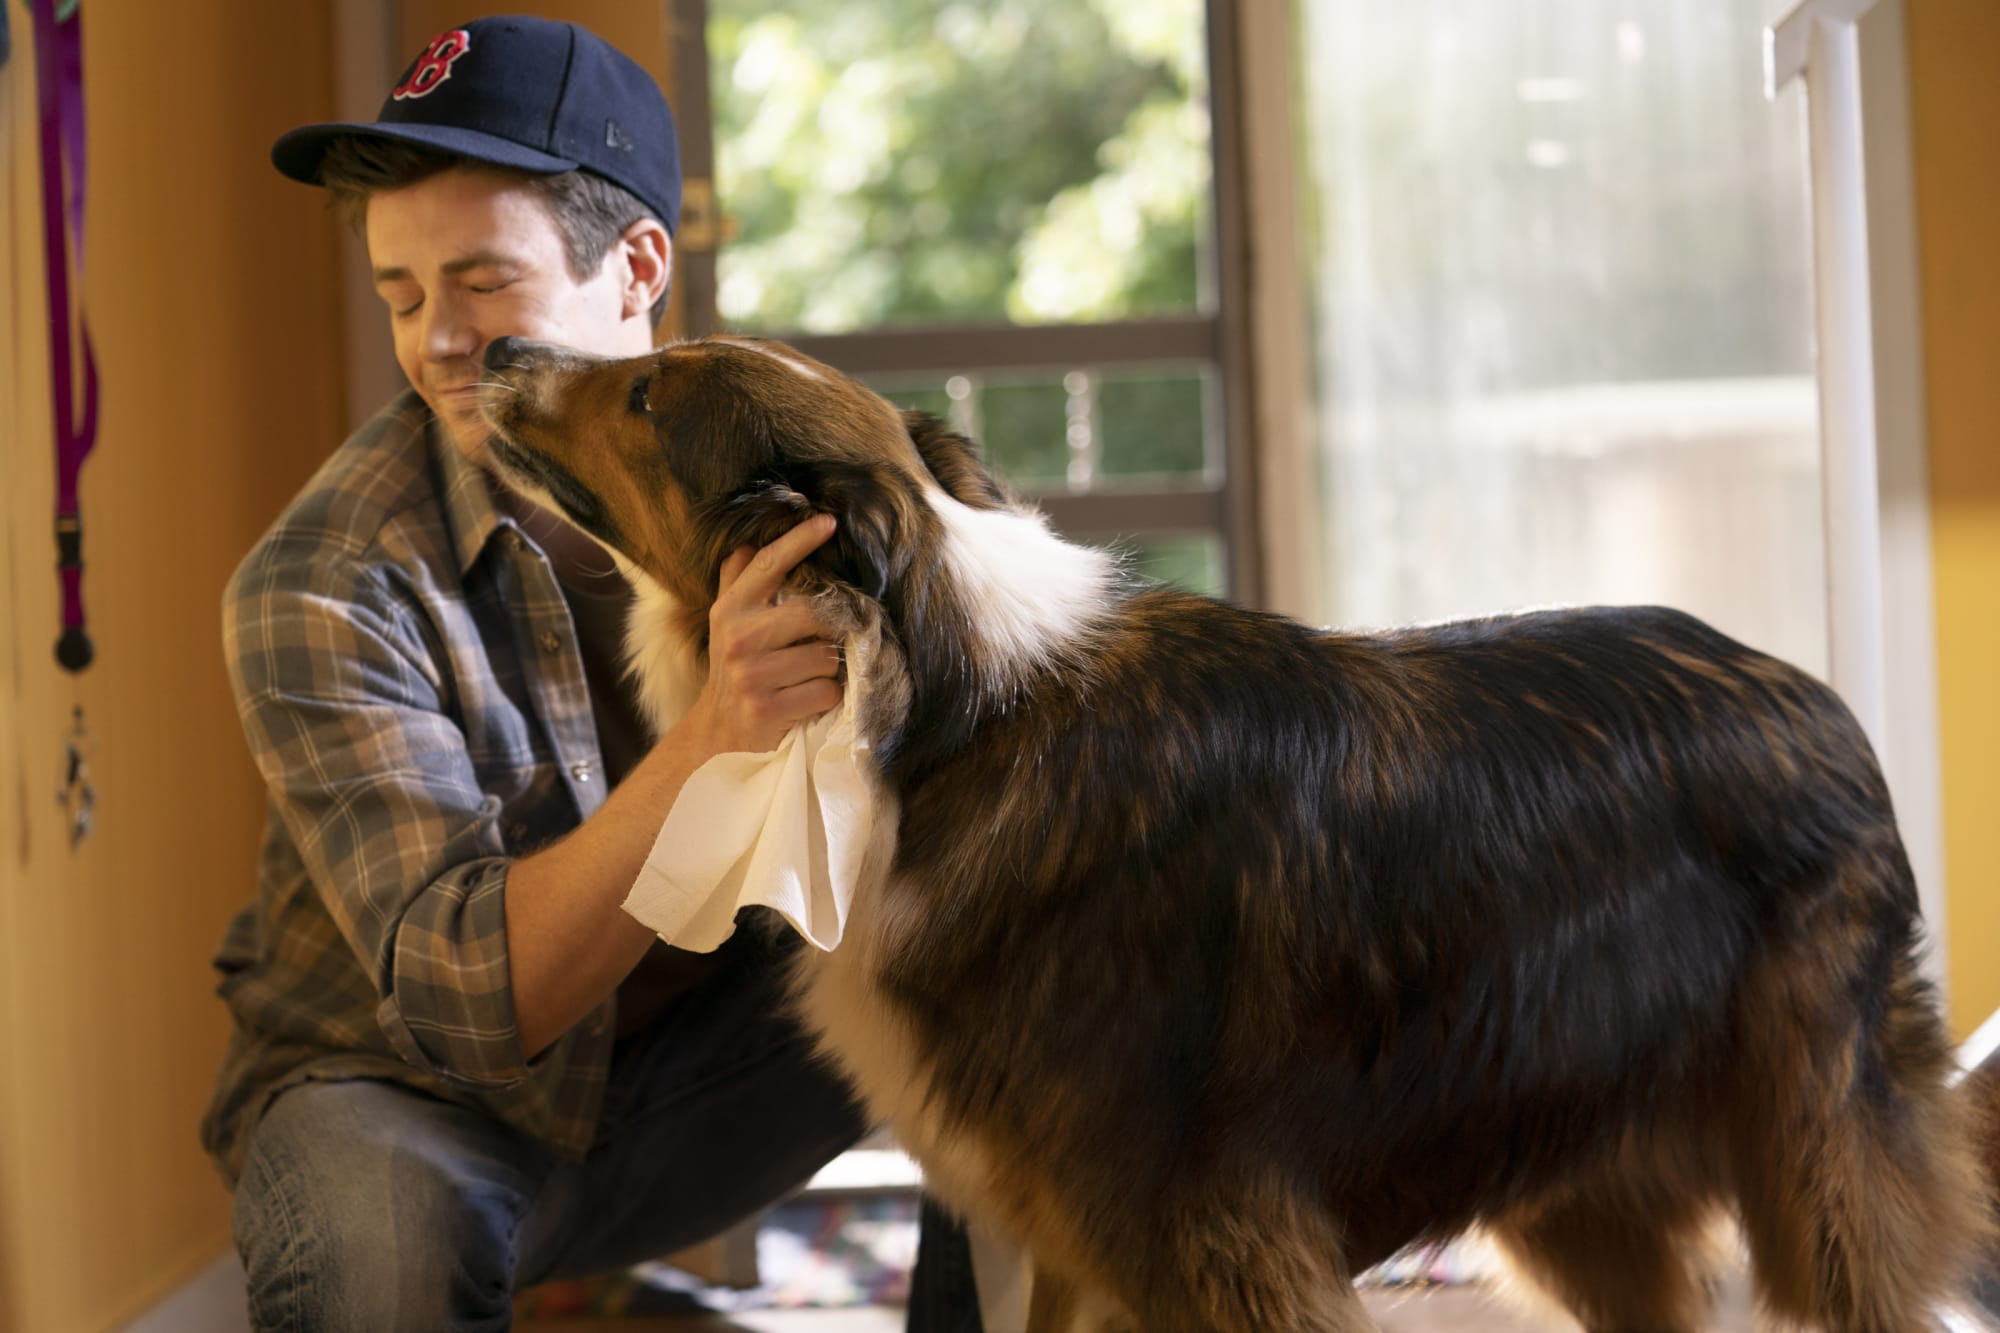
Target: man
458,1066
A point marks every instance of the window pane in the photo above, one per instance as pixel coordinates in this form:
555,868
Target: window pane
1561,300
1187,560
1075,431
1153,425
930,161
1022,423
924,398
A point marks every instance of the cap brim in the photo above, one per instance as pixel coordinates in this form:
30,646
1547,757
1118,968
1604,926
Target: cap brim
299,154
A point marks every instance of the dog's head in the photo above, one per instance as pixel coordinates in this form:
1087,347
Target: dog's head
675,458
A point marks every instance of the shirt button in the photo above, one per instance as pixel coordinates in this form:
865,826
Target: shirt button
549,640
580,770
515,542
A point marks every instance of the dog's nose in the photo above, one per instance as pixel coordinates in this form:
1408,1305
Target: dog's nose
506,353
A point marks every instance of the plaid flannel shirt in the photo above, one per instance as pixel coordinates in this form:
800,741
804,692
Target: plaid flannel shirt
408,679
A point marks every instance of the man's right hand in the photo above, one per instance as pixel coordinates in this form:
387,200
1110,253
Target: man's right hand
770,666
570,943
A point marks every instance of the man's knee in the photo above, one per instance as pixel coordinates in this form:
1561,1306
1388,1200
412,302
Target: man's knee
366,1205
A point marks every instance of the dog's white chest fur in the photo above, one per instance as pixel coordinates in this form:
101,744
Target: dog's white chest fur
1029,596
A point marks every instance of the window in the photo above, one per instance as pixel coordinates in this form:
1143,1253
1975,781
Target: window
1560,296
1002,213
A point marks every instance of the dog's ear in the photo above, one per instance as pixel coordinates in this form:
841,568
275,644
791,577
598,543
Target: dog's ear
956,462
862,552
863,549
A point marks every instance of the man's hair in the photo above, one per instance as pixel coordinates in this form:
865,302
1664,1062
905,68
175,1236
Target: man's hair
589,211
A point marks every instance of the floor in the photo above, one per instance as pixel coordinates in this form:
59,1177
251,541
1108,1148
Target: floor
214,1304
1438,1310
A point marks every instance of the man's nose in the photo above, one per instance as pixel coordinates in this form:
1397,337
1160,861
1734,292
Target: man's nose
448,333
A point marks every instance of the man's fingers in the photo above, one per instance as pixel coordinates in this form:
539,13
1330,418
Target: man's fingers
806,661
766,572
786,624
807,700
773,665
733,566
744,637
780,662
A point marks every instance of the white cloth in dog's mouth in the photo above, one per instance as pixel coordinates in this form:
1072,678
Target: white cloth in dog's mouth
791,829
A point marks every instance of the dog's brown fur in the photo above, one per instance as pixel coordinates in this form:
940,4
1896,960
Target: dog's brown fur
1220,958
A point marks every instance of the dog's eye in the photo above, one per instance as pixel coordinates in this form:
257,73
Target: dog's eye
640,402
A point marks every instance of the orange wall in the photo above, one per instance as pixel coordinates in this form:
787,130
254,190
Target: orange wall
1955,106
210,286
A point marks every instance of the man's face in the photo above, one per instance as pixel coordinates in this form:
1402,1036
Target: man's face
470,255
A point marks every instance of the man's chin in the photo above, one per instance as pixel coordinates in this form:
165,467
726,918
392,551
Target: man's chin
469,431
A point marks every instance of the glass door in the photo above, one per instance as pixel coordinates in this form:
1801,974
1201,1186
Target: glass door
1560,290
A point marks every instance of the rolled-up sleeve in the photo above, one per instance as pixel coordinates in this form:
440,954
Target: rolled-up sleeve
346,714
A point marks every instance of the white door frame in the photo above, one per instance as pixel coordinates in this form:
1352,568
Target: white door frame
1852,58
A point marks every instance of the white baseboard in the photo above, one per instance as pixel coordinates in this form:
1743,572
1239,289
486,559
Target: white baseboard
209,1302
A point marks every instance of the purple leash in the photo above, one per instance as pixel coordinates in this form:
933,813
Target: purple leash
59,83
59,79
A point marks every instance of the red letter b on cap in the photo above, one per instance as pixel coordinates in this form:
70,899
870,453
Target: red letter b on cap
434,66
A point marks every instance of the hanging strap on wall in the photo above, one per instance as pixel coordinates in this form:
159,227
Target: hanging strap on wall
59,78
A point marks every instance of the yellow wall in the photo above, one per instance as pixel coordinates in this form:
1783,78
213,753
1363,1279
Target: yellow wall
210,285
214,293
1955,91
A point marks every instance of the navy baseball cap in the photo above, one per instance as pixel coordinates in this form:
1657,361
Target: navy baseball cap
527,93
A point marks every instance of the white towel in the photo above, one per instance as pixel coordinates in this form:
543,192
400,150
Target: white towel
790,828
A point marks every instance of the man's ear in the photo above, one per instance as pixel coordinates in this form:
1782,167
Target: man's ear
648,267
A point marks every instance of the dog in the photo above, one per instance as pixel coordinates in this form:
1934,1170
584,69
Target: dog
1220,958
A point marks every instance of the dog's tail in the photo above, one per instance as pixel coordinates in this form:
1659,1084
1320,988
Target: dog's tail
1861,1193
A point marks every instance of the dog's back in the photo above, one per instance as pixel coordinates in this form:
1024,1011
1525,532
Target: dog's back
1373,937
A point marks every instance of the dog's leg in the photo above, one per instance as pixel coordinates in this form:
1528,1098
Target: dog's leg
1621,1253
1060,1306
1858,1186
1274,1264
1051,1306
1054,1307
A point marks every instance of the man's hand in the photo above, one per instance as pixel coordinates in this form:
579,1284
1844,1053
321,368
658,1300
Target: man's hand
569,941
769,666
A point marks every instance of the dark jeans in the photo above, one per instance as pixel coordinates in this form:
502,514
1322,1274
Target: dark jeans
366,1205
